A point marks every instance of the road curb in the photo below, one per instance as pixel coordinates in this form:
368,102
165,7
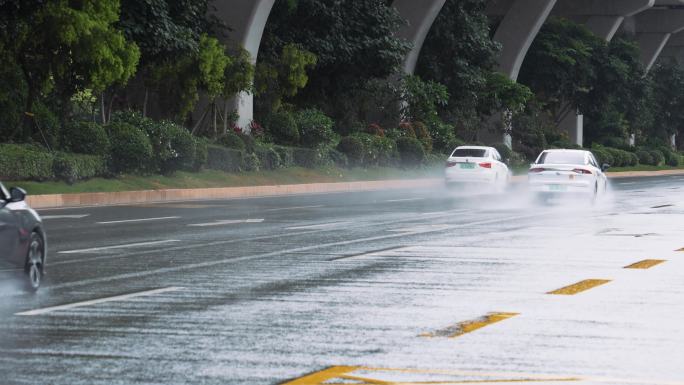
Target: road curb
175,195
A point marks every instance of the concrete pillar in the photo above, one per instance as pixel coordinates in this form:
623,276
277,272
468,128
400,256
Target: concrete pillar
420,16
651,45
653,29
603,18
674,50
246,19
517,31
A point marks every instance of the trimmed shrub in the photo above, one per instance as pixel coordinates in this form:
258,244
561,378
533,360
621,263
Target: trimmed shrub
339,159
411,151
286,155
645,157
282,128
183,149
25,162
306,157
250,162
73,167
603,156
231,140
131,150
423,135
86,138
658,157
352,148
223,159
633,159
248,140
671,157
315,128
201,154
385,151
268,157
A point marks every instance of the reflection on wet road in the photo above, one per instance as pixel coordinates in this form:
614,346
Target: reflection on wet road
411,287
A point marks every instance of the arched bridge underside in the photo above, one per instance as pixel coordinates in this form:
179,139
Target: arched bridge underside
656,24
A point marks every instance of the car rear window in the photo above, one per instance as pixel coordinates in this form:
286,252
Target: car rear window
555,157
469,153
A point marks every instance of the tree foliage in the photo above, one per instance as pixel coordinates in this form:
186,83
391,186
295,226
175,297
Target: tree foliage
354,41
460,33
67,46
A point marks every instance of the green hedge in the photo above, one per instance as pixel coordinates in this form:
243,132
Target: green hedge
309,158
28,162
269,159
352,147
411,151
315,128
286,155
131,150
25,162
86,138
73,167
223,159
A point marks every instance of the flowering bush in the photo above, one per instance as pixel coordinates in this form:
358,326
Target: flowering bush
375,129
256,130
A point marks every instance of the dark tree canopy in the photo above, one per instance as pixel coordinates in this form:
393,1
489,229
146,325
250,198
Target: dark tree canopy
353,40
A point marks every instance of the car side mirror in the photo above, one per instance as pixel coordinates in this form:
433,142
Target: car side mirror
17,194
605,167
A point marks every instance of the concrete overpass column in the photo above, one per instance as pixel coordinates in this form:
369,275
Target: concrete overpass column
517,32
651,45
246,19
420,16
603,18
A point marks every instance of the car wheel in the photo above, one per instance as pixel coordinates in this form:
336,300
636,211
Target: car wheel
34,261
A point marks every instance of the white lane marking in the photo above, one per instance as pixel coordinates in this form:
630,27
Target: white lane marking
420,228
136,220
626,183
405,200
226,222
321,226
98,301
220,262
295,208
75,216
118,246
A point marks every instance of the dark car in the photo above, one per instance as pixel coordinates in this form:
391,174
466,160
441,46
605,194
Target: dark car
22,238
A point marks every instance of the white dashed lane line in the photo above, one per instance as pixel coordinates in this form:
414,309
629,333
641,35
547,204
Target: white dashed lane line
124,246
226,222
136,220
75,216
124,297
295,208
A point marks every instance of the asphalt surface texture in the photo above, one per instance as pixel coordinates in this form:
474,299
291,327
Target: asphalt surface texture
400,287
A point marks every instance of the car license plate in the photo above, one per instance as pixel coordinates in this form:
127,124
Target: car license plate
468,165
556,187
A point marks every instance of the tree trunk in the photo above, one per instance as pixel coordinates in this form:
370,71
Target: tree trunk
145,101
102,108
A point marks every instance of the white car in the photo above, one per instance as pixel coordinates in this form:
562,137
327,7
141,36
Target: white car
475,165
567,172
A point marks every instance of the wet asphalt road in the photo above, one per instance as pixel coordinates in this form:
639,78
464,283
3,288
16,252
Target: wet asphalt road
401,287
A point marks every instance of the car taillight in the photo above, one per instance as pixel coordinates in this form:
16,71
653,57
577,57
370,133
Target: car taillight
451,164
486,165
581,171
536,170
